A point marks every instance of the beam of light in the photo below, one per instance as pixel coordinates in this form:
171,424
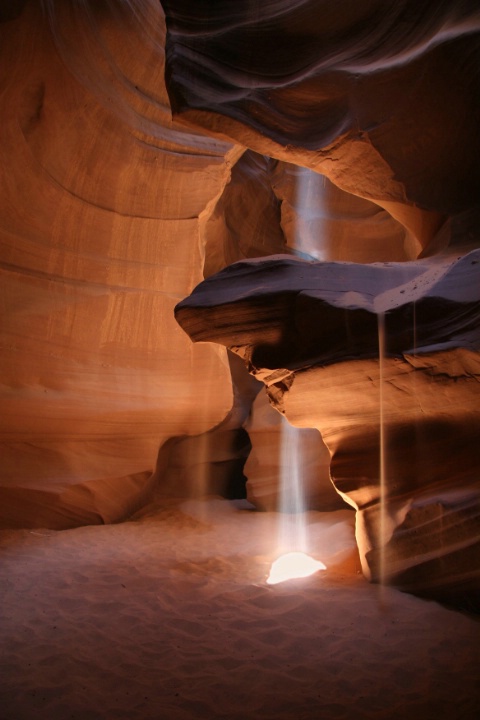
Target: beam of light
383,479
293,561
311,237
292,521
293,565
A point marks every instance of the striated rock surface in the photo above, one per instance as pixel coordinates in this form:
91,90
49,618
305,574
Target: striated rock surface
272,207
103,200
384,360
269,431
336,132
382,100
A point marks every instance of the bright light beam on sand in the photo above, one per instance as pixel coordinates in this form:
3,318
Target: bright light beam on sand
293,561
293,565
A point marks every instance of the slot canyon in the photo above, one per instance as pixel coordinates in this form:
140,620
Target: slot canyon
221,223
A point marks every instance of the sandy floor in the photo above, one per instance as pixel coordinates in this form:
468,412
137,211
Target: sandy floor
169,617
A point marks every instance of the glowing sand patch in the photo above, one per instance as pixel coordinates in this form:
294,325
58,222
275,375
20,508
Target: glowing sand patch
293,565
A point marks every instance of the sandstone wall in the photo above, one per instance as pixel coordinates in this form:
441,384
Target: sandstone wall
101,235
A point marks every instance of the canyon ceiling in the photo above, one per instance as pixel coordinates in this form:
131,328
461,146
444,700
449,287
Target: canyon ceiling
293,185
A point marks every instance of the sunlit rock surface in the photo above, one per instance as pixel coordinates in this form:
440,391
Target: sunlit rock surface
310,331
264,470
111,213
383,102
322,131
380,99
326,223
103,200
271,207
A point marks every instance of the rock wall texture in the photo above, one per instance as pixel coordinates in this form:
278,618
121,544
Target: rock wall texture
267,473
384,361
103,200
382,100
317,162
383,357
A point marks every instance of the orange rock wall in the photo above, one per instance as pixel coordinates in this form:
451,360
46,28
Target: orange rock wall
102,201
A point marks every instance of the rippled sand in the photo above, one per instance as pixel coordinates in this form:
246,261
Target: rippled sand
169,617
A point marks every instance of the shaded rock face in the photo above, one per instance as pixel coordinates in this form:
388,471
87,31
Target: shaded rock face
111,213
271,207
269,431
383,102
356,143
102,201
389,372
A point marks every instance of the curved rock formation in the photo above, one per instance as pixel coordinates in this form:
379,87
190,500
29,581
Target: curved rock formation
384,360
264,471
327,132
103,200
381,100
384,102
272,207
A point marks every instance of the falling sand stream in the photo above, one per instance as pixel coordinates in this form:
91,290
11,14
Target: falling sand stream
382,458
